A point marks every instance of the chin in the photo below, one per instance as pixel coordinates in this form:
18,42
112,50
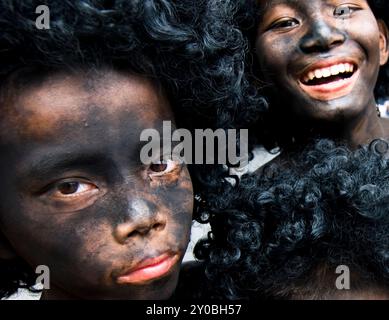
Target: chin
334,110
161,289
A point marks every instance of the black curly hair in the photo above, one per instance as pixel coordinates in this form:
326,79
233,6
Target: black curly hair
138,36
283,233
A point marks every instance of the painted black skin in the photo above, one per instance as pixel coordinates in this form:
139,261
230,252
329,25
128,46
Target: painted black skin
293,36
199,53
236,94
74,194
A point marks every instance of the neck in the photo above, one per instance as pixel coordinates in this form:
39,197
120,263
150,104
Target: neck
354,132
364,128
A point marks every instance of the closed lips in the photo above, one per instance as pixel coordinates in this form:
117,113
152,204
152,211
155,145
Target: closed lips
149,270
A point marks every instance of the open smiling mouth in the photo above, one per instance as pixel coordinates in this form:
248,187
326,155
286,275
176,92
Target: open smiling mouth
331,82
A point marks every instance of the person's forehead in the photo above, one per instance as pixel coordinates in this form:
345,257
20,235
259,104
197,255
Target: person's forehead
40,110
265,6
277,2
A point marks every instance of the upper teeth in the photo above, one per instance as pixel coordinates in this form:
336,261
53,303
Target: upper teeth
329,71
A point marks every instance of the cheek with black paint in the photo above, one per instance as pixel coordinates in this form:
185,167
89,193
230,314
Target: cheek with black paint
80,246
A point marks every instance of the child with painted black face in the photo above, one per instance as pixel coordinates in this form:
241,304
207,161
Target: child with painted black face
74,195
322,59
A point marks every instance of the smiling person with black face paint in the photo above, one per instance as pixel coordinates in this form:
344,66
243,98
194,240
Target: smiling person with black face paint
322,59
300,254
75,196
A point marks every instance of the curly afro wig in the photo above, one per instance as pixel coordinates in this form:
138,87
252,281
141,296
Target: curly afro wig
283,233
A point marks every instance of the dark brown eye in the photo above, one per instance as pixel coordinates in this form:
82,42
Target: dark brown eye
72,194
158,167
344,11
73,188
68,187
284,24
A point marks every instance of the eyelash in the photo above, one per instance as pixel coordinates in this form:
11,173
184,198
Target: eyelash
55,188
350,9
280,24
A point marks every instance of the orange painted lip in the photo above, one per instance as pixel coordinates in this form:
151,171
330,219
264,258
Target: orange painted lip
332,90
149,270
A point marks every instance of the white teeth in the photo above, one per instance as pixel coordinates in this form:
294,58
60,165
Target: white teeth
326,73
318,74
329,71
334,70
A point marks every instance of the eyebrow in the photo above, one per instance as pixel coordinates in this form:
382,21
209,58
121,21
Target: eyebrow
56,164
277,2
93,161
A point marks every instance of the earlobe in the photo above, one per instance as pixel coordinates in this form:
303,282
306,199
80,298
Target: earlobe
384,42
6,251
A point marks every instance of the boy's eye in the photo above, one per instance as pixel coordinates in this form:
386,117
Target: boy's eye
284,24
161,168
68,187
158,167
72,188
71,194
344,10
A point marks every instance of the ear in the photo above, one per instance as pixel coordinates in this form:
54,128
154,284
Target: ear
6,251
384,42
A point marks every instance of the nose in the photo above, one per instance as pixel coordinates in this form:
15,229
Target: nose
321,37
144,219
